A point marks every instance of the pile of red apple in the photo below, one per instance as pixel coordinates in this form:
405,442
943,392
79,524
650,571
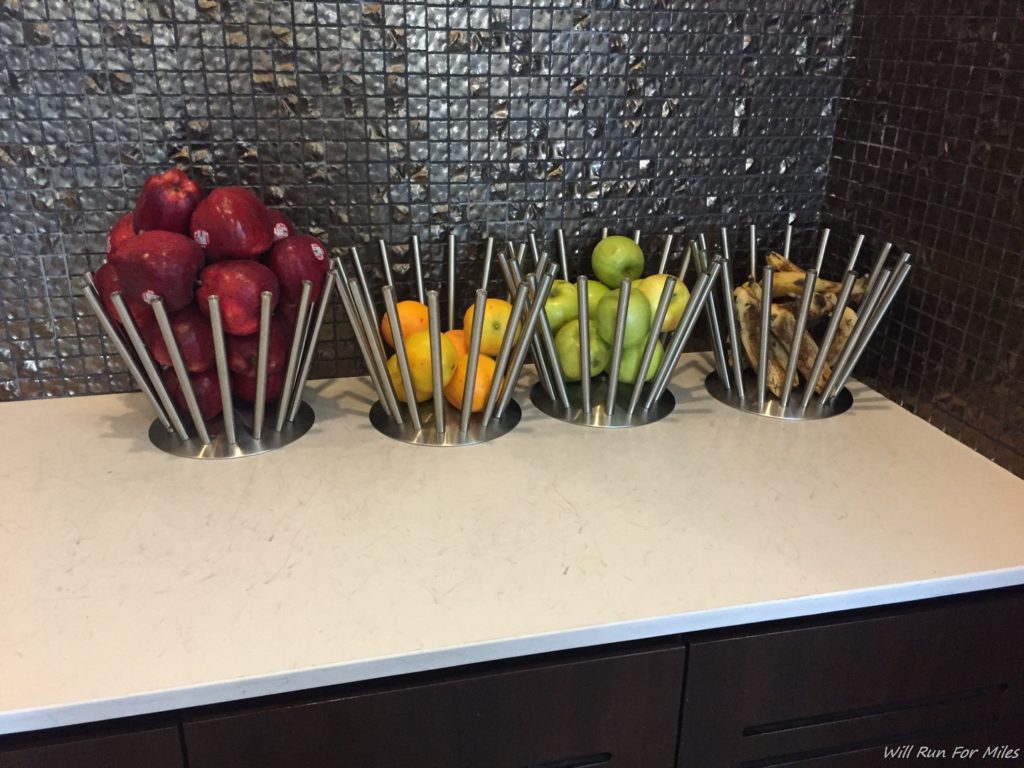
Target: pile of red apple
183,248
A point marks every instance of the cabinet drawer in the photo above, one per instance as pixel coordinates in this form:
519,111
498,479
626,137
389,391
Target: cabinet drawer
155,748
834,694
613,712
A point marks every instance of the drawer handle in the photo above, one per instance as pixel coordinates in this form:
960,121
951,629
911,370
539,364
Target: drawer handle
583,761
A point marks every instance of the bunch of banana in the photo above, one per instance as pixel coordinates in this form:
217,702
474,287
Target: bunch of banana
788,285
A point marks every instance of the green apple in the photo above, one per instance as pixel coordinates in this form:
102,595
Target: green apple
595,292
652,286
567,344
638,318
630,363
562,304
615,258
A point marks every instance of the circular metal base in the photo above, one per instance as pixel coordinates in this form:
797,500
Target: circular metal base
219,448
450,438
599,416
773,408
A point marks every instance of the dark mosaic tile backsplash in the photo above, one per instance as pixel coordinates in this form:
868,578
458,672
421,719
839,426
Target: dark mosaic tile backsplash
367,120
929,150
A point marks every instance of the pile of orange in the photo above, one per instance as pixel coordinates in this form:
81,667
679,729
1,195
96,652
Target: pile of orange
413,317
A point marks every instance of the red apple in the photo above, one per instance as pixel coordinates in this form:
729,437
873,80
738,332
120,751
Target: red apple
205,386
295,259
243,351
192,331
238,283
163,264
283,226
166,202
107,282
231,223
244,387
122,230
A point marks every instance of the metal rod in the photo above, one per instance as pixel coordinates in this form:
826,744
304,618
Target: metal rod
753,252
469,388
666,249
701,290
863,316
876,270
223,374
883,306
542,263
179,369
293,356
344,292
376,353
506,273
451,281
539,360
367,296
854,253
551,376
262,361
686,260
652,341
730,316
767,279
434,324
89,291
827,339
636,236
505,351
789,238
536,309
521,254
621,313
562,255
711,316
418,267
533,250
488,258
810,280
310,350
820,259
584,323
604,232
402,357
385,261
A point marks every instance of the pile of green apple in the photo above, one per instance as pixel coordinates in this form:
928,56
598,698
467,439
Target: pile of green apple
614,259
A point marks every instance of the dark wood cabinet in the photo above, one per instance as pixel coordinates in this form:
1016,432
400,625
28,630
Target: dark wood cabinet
833,693
616,711
153,748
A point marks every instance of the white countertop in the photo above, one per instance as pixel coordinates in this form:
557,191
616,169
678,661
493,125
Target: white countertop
136,582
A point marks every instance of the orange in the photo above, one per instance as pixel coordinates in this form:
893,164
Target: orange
412,316
460,341
417,349
496,316
457,386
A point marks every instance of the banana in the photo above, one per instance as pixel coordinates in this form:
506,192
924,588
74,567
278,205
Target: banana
784,329
781,358
748,307
822,305
846,324
781,263
789,283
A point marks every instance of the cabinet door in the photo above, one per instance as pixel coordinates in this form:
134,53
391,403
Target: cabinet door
616,712
156,748
834,695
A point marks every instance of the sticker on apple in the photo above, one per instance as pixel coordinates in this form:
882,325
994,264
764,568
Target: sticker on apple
280,231
318,251
203,237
